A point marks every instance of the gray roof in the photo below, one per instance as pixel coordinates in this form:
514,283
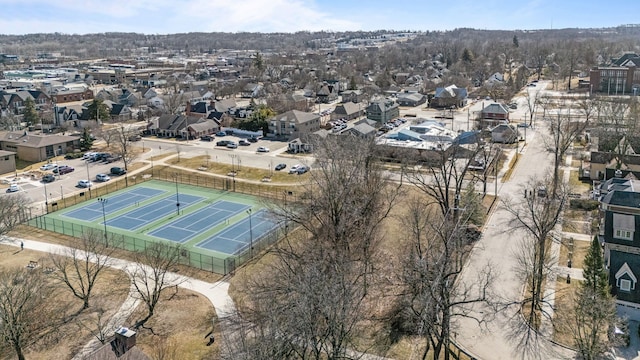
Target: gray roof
364,129
296,116
347,108
204,125
495,108
411,97
35,140
627,198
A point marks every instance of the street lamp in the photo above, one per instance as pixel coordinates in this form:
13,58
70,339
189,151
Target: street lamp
250,235
46,199
88,179
104,217
177,195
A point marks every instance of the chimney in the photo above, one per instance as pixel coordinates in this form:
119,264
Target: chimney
617,173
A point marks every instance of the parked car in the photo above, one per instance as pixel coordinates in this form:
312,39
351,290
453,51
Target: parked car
302,169
206,138
232,145
263,149
244,142
253,139
221,133
13,188
85,184
88,155
117,171
102,177
64,169
111,158
280,167
46,167
48,178
223,142
294,168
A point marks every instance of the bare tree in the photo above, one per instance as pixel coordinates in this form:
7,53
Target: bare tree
109,136
316,292
533,100
536,216
13,211
445,178
563,132
9,121
98,325
151,275
79,267
432,296
124,146
25,309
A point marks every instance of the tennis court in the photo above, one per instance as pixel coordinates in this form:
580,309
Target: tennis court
113,204
147,214
236,238
187,227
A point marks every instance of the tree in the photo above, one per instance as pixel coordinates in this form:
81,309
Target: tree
123,144
445,176
258,119
321,276
515,41
534,218
25,308
431,296
533,100
79,267
467,56
13,211
30,113
594,311
87,140
99,111
9,121
151,275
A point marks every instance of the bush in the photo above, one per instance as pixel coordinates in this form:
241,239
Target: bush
584,204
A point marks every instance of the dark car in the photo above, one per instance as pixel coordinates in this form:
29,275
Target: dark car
206,138
252,139
280,167
221,133
48,178
118,171
65,169
223,142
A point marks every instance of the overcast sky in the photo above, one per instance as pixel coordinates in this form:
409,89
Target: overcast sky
179,16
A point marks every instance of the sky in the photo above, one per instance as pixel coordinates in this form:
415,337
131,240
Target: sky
181,16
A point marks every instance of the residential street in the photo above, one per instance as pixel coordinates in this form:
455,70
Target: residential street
498,336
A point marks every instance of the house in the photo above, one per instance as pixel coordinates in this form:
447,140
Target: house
505,133
7,162
293,124
202,127
327,92
14,101
37,147
362,130
383,110
348,111
252,91
450,96
169,125
496,78
493,114
354,96
620,233
225,105
411,99
71,94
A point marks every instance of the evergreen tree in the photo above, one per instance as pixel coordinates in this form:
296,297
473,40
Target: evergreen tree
516,43
595,275
98,111
352,84
467,56
31,115
86,142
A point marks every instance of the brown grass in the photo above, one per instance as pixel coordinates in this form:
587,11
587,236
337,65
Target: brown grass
563,309
579,251
109,293
512,165
577,186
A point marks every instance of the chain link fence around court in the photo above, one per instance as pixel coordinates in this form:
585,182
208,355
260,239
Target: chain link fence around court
181,176
218,265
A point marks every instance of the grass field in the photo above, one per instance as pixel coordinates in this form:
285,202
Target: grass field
214,226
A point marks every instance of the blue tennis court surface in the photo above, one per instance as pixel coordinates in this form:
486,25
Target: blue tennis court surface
93,211
187,227
234,239
137,218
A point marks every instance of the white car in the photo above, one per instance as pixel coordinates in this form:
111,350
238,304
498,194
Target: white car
294,168
85,183
49,166
13,188
263,149
102,177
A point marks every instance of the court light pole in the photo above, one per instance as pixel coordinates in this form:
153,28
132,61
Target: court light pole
177,195
104,217
46,199
250,235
